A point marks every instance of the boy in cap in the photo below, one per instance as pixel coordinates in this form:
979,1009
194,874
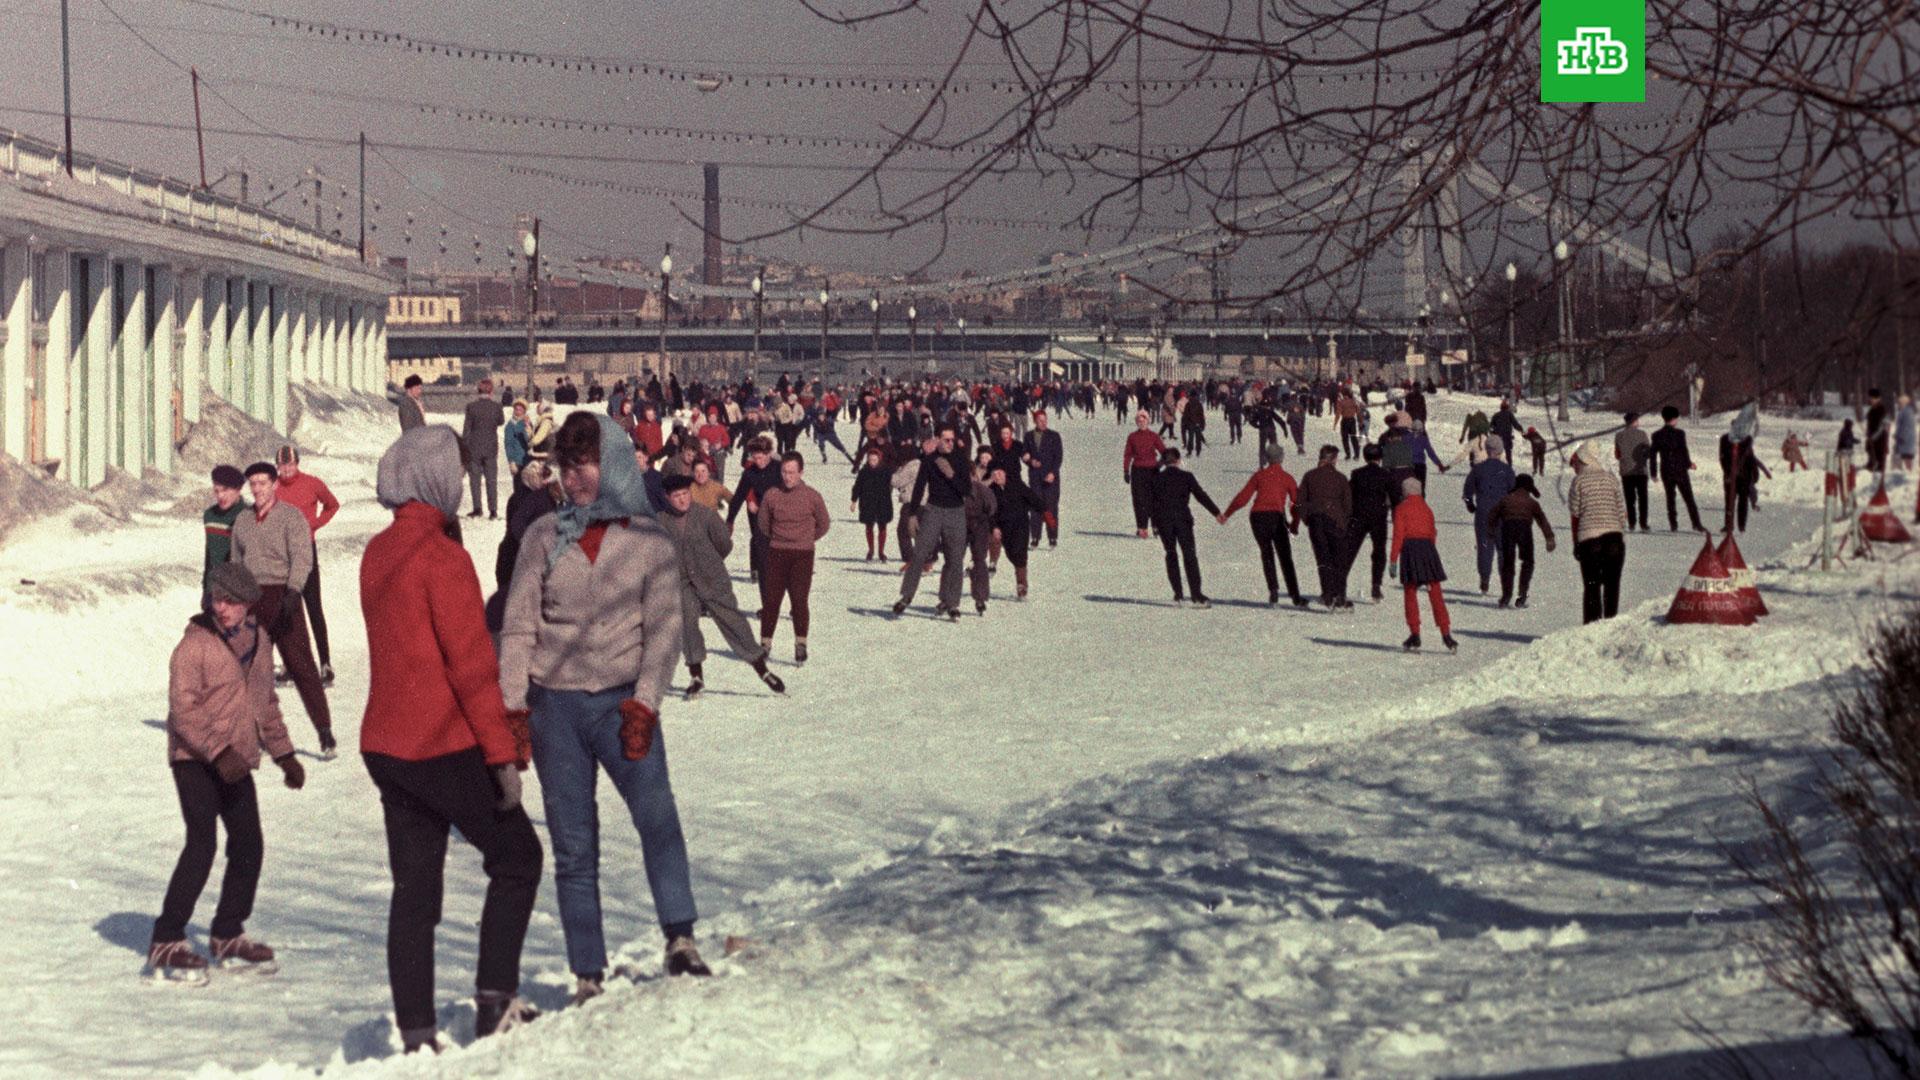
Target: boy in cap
218,519
221,712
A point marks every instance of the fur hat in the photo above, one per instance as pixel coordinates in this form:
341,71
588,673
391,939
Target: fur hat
233,581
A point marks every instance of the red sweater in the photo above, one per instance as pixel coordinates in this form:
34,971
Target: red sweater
435,682
1270,489
646,433
1412,520
1143,451
308,494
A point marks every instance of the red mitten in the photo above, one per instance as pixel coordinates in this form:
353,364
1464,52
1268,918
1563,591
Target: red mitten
522,737
637,725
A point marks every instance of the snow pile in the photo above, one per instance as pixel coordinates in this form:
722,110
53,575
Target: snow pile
28,494
226,436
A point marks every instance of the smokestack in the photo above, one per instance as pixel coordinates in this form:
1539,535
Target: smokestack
715,307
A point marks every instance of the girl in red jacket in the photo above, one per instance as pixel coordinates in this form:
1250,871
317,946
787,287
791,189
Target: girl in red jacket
1273,492
1414,534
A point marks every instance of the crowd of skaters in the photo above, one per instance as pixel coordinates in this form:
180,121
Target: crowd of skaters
620,522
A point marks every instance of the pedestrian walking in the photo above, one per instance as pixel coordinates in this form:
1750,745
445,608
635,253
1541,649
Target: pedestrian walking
275,544
795,519
481,434
1273,493
1173,489
592,635
1415,561
221,713
1515,517
308,494
703,542
1599,513
438,741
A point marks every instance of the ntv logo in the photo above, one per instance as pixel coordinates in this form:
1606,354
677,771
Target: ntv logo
1592,50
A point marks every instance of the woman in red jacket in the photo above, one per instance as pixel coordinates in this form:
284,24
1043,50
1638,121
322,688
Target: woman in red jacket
1273,493
436,739
1414,534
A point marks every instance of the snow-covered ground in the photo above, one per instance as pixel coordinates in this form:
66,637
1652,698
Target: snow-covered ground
1090,832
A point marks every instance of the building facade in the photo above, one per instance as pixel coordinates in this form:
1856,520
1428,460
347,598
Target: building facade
127,300
423,309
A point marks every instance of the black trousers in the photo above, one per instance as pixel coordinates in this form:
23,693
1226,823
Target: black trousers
1350,437
1330,555
1178,542
421,801
1359,531
1516,540
1234,424
1142,482
205,799
317,618
1635,488
1270,532
1036,519
1601,559
1739,500
1683,485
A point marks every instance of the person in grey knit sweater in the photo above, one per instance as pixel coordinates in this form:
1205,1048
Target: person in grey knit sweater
275,544
704,541
590,638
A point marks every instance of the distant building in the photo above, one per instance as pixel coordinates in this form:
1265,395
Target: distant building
423,309
439,369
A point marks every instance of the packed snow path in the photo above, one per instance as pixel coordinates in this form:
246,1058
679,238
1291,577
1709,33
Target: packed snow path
914,735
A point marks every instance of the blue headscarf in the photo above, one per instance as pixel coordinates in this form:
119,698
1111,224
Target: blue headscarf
1747,424
623,491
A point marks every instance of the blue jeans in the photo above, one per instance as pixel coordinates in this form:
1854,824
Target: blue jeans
573,730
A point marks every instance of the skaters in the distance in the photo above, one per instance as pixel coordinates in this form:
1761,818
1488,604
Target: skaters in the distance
872,501
438,741
1416,562
221,712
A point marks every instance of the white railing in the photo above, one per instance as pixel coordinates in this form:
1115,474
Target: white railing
174,202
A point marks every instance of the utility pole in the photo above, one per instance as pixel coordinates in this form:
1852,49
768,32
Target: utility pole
66,86
317,208
363,196
199,136
530,245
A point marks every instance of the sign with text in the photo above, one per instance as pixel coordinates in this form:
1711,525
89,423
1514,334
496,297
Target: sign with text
1593,50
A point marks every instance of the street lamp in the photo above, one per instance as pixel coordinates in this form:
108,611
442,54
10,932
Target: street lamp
1561,252
666,301
962,323
530,244
826,296
1513,274
913,316
759,287
873,305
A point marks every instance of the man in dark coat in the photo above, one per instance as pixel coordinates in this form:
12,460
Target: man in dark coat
1045,454
481,436
1672,465
1173,487
1372,488
1326,505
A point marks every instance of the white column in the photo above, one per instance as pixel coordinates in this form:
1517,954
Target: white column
93,405
165,394
330,346
259,381
193,349
306,339
130,370
279,384
356,348
378,376
239,344
219,342
58,361
16,308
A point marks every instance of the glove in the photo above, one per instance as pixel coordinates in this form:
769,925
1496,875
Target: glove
507,779
522,736
296,776
289,606
1393,569
230,765
637,725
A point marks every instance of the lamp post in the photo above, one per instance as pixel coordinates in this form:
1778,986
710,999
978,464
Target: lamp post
1560,255
1513,274
962,323
666,301
826,296
873,305
759,287
530,244
913,327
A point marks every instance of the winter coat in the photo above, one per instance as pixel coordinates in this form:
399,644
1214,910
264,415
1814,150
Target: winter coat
795,518
1506,425
1007,456
872,494
712,494
904,479
1013,503
1486,485
754,483
1048,453
516,441
981,508
1173,486
1522,507
593,623
944,487
216,702
1633,448
1325,492
1595,500
1412,520
410,415
1372,488
703,542
1272,490
525,506
434,687
1904,434
1396,451
1669,456
484,417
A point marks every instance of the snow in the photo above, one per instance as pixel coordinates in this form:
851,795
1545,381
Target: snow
1089,833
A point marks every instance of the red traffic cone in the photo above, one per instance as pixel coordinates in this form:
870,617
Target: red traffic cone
1708,595
1879,521
1743,576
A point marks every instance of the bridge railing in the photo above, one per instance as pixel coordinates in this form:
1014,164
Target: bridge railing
174,202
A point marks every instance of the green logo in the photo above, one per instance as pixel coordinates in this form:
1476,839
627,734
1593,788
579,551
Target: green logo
1593,50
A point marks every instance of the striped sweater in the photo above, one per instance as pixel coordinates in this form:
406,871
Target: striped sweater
1597,505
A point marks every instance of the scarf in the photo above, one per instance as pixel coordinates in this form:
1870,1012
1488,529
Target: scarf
623,491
